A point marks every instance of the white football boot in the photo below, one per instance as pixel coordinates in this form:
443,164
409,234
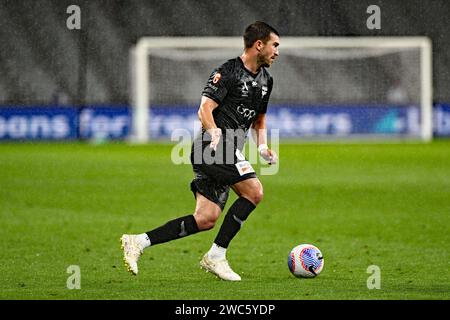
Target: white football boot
132,251
219,267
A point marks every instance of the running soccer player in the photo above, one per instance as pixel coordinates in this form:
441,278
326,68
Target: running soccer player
234,100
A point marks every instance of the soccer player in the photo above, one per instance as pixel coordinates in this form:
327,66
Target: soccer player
234,100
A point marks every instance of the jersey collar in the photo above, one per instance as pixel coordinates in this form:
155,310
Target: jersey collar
254,75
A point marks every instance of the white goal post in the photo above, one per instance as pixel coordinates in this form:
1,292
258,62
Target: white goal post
140,68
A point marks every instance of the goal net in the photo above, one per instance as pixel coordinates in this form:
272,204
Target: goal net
324,87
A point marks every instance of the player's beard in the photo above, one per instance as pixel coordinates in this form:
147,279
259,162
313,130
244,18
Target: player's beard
264,61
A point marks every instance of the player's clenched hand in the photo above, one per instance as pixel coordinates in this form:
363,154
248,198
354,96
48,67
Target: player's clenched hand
215,133
270,156
267,154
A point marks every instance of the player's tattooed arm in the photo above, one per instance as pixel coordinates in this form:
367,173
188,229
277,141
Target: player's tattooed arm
207,105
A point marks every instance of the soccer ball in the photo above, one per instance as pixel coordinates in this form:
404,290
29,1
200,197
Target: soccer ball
305,261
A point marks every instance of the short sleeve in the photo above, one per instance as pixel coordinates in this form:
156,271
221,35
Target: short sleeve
266,97
218,84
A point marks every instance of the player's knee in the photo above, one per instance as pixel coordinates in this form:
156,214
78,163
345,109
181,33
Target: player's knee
206,224
206,220
256,196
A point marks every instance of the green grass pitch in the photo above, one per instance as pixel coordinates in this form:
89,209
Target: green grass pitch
362,204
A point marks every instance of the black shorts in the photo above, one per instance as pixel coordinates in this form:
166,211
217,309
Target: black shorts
213,180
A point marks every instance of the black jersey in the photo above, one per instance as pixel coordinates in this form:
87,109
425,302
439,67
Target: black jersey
241,95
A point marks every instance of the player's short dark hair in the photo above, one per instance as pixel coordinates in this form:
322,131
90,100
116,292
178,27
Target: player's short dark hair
258,31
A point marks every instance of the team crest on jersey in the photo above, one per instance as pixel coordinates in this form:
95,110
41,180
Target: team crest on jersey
217,77
264,90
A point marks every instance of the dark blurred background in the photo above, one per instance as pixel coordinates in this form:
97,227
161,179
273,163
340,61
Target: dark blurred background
42,62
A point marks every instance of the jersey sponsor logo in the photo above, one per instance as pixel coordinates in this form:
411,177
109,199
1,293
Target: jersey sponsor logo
246,112
217,77
244,167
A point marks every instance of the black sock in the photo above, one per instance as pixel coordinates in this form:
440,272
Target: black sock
173,229
236,215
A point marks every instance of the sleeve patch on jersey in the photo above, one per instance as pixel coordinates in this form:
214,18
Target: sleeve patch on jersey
244,167
217,77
